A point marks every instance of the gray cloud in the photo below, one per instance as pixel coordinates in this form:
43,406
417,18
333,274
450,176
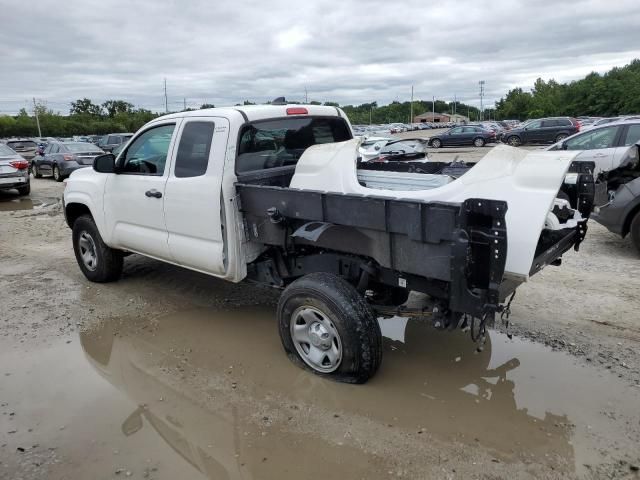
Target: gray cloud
346,51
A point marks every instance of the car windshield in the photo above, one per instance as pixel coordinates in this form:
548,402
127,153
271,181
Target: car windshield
22,144
275,143
82,147
4,150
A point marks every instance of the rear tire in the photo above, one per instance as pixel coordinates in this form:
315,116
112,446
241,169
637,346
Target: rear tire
478,142
35,172
514,141
561,137
57,176
436,143
634,230
98,262
26,190
328,328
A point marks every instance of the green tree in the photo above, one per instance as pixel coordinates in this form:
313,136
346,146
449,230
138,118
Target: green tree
113,107
85,106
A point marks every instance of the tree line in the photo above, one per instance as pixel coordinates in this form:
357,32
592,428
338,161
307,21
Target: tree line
616,92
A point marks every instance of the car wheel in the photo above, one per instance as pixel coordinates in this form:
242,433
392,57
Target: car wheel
26,190
35,172
478,142
56,174
561,137
328,328
514,141
98,262
634,230
436,143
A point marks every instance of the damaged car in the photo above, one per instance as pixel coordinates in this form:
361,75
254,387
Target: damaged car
279,195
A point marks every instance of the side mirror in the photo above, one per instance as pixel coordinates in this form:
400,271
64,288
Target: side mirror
105,163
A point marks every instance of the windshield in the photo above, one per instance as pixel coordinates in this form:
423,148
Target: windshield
276,143
82,147
4,150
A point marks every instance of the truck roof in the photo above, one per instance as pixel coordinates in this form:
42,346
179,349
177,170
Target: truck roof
259,112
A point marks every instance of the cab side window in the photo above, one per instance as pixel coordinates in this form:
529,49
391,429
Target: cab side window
147,154
194,149
632,136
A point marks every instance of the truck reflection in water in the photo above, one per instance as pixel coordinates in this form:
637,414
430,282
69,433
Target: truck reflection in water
216,388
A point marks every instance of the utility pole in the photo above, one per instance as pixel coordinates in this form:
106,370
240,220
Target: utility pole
481,83
35,112
433,109
455,103
184,103
411,109
370,112
166,105
306,96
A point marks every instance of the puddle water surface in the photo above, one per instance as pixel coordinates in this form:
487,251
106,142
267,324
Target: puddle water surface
216,390
12,203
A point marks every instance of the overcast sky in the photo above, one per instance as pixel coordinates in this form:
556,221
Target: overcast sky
339,50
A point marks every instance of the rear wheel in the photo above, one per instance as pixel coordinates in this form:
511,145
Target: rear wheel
327,327
561,137
436,143
98,262
35,172
634,230
26,190
56,174
514,141
478,142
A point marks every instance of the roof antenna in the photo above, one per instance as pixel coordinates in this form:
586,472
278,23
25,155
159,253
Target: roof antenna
279,101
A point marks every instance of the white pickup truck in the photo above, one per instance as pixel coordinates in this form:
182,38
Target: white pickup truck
278,194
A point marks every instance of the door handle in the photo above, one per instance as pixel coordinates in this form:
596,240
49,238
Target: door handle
153,193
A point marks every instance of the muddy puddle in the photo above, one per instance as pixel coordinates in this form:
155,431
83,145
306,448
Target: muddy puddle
12,204
211,394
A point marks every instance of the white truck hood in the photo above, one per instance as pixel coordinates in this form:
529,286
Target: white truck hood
527,180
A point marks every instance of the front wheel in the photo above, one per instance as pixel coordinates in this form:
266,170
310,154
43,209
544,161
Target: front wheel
57,176
436,143
478,142
327,327
98,262
634,230
514,141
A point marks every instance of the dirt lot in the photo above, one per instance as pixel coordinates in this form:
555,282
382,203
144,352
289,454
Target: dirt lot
170,374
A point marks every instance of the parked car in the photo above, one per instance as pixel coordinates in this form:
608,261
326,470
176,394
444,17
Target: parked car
463,135
111,141
62,158
606,145
297,218
14,171
618,197
25,148
543,130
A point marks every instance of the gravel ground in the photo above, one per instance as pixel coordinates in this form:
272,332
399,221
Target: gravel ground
172,374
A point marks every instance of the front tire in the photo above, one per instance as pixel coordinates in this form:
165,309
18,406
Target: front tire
514,141
478,142
57,176
98,262
634,230
327,327
436,143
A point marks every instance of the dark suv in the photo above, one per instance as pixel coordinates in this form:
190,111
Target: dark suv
543,130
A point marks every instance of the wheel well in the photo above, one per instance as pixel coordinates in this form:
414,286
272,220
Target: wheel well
73,211
627,221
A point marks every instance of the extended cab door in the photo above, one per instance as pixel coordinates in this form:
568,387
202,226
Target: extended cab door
193,195
134,197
